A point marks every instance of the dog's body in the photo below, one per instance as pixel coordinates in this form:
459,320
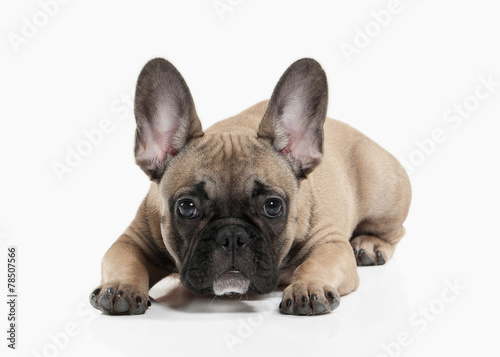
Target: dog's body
243,207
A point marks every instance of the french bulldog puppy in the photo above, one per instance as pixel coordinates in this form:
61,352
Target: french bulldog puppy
276,195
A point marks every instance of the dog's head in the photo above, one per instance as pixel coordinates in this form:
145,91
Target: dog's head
229,211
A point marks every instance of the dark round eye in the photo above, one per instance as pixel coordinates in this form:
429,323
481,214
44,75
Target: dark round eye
272,208
187,209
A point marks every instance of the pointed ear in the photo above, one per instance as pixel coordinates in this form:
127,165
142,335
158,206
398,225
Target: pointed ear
294,118
165,115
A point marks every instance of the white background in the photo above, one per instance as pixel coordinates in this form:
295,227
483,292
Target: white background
78,71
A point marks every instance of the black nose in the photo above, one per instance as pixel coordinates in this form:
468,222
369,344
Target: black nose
230,236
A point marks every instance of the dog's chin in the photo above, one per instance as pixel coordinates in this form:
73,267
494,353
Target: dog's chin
231,282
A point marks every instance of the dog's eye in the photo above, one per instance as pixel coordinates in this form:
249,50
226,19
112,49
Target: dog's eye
187,209
272,208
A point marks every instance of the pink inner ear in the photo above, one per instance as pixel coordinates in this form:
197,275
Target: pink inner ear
172,152
163,144
286,150
303,148
156,145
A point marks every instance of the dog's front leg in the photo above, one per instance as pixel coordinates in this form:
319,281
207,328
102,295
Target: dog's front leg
126,278
317,283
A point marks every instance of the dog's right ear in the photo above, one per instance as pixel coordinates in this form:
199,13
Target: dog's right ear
294,118
165,115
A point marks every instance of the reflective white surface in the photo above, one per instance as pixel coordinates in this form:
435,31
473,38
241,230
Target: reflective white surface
437,297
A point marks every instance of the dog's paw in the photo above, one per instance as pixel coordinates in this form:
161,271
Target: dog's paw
309,299
370,250
119,299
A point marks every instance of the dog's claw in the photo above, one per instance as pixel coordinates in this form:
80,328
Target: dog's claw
304,309
334,302
286,308
140,310
121,306
105,302
380,258
320,308
93,298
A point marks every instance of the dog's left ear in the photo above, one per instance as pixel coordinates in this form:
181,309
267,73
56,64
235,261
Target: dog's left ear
295,115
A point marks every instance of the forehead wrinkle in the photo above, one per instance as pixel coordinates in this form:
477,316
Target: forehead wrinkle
255,180
193,190
224,160
210,186
225,155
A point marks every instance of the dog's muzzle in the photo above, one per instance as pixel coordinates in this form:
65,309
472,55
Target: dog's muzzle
231,238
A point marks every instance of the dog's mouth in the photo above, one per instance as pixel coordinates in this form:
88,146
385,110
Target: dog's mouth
232,281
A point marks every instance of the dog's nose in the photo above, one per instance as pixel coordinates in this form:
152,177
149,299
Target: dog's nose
232,236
